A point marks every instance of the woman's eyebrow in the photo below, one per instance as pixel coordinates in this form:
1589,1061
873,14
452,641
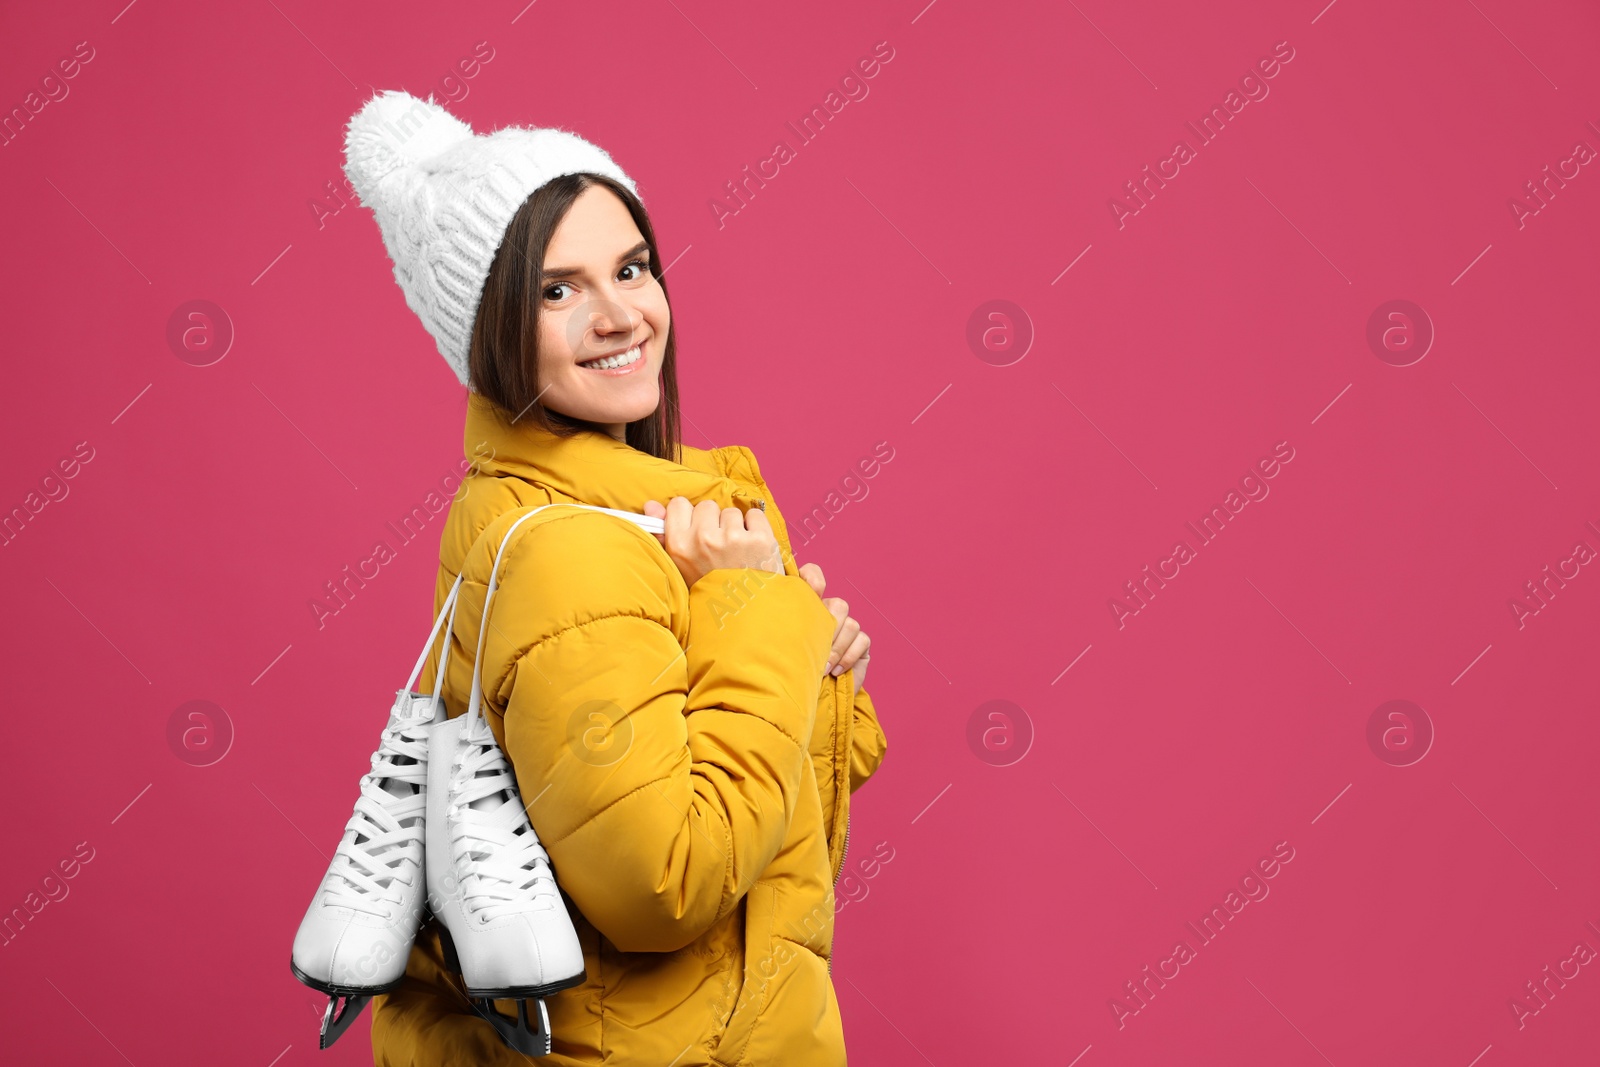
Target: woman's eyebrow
567,272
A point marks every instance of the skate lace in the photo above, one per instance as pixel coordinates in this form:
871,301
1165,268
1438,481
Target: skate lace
501,865
386,827
498,860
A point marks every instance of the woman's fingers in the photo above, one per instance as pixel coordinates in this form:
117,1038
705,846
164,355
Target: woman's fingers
844,632
813,576
705,537
676,521
756,519
685,524
850,644
859,671
705,518
676,535
656,510
756,523
855,656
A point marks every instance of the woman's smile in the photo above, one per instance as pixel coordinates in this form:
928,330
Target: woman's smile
618,364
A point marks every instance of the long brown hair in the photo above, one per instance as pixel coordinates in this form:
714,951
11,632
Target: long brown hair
503,359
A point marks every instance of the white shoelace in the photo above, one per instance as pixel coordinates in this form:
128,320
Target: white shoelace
386,827
502,868
501,865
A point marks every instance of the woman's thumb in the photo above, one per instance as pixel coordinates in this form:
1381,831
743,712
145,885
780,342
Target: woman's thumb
813,576
656,510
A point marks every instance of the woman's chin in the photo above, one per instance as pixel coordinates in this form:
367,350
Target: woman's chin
612,414
606,401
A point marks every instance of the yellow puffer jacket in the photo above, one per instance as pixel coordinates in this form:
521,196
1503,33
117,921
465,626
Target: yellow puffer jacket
699,837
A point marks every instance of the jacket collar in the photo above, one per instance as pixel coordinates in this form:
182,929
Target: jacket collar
594,468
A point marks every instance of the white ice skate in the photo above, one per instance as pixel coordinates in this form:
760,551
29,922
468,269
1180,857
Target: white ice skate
356,936
504,922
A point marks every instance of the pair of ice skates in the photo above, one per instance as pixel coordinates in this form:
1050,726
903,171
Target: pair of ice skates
440,829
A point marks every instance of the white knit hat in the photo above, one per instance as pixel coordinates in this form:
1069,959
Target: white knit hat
443,197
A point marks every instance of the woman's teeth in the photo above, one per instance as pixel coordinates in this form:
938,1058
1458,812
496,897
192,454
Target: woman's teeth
612,362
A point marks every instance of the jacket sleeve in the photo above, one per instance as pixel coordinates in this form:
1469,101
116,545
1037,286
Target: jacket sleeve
867,742
657,731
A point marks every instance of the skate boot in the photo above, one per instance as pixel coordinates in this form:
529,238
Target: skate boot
491,887
504,924
355,938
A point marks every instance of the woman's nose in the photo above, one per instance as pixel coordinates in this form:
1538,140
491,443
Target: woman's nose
602,322
608,315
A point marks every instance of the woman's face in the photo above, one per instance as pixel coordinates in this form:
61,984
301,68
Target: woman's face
601,307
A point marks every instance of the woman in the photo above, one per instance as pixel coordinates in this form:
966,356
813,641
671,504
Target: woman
684,714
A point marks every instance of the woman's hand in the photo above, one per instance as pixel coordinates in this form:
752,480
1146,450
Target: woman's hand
702,537
850,644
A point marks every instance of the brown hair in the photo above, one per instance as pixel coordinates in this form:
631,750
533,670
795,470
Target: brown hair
503,358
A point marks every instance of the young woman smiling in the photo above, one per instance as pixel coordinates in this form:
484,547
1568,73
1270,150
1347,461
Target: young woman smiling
684,711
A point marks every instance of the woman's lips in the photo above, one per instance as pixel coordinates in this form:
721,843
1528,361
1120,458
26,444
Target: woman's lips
618,372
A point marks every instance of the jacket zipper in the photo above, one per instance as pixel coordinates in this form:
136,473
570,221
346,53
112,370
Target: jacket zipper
844,849
844,854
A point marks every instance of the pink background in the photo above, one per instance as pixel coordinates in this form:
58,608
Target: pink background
829,314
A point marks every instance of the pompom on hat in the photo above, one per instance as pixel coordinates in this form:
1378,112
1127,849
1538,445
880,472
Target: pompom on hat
443,197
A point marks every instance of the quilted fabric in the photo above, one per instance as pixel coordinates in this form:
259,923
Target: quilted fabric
697,825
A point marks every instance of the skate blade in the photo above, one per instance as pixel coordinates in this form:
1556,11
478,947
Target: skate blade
516,1033
336,1020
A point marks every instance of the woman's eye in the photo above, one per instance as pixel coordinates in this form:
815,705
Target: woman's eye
643,269
549,294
